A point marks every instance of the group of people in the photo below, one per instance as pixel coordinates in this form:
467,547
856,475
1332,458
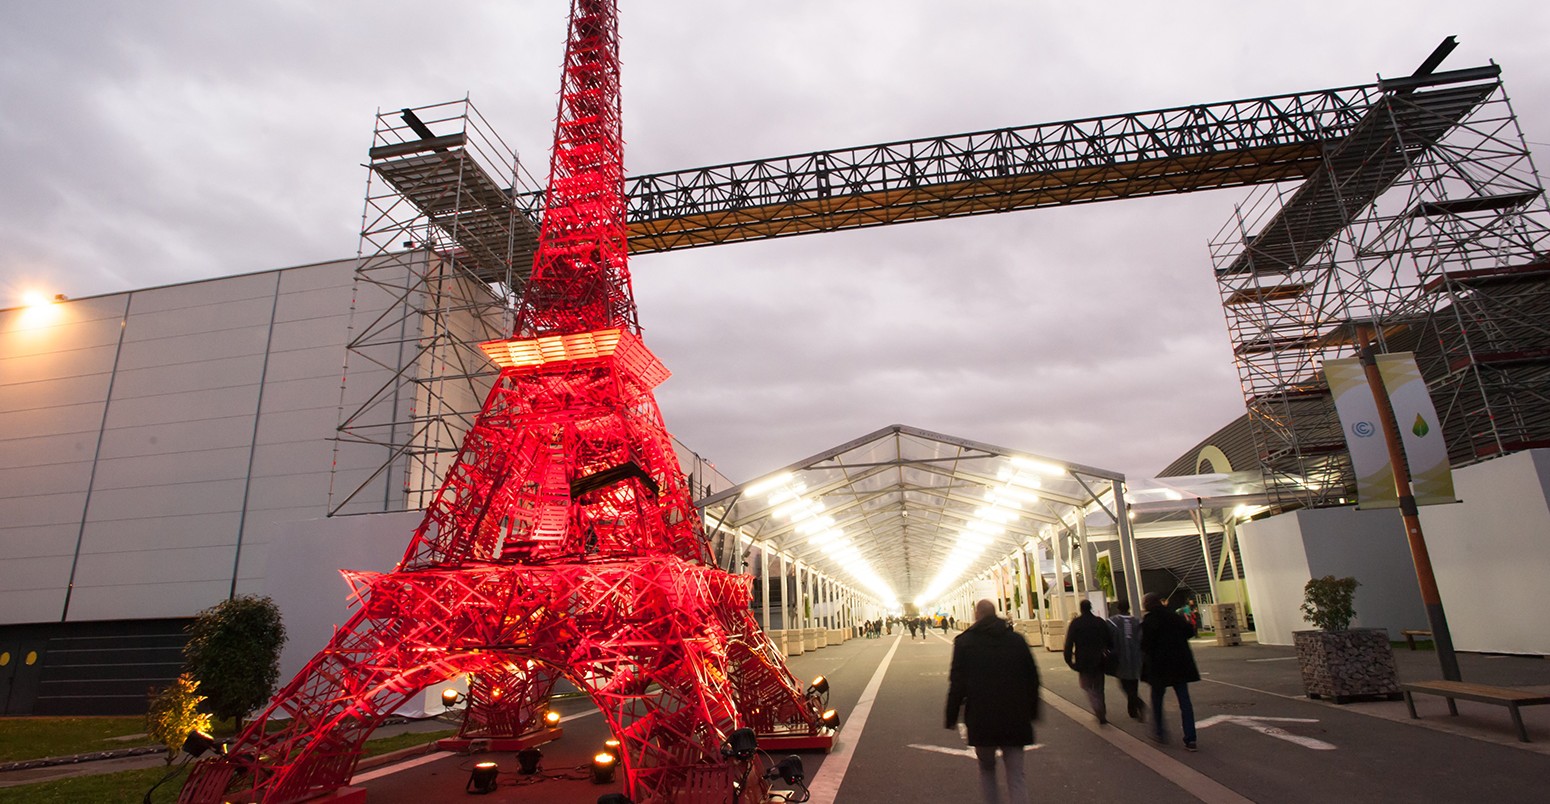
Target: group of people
1155,649
918,626
994,682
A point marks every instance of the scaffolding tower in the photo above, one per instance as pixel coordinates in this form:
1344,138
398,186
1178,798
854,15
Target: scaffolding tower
446,243
1425,230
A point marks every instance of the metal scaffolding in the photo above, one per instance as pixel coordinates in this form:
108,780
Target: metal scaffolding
444,241
1425,226
1385,203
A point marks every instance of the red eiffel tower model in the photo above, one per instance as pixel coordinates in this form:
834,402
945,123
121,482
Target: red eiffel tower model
562,544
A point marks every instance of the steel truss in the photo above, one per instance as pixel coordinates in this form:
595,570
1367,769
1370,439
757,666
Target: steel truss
563,541
1426,226
442,239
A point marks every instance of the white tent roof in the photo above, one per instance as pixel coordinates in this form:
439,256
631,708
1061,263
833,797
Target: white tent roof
907,513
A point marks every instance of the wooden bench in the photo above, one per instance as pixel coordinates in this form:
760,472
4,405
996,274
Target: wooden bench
1481,693
1411,635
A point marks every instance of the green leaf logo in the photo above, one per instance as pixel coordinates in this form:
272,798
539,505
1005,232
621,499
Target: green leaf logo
1420,429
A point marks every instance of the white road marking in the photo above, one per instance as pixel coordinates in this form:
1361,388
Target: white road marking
827,783
1188,779
965,751
1259,724
388,770
1276,659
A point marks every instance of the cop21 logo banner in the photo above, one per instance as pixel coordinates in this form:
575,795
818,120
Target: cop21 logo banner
1431,478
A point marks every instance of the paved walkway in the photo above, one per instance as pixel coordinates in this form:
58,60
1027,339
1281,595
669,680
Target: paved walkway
1260,739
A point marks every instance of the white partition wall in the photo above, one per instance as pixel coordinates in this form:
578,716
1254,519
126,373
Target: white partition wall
1281,553
1492,554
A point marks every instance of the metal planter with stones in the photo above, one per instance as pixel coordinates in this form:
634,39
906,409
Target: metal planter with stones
1343,666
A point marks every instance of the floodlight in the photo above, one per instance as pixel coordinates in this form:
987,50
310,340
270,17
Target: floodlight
527,760
603,764
788,770
612,746
742,745
483,778
819,685
197,743
451,697
830,719
551,718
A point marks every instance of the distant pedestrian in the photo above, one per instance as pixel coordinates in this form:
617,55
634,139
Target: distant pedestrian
1088,643
1168,663
1126,663
995,682
943,622
913,623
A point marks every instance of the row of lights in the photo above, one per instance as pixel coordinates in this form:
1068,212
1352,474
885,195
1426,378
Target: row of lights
1019,486
807,516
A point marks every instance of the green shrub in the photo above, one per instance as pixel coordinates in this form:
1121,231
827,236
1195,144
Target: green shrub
1327,602
234,651
174,712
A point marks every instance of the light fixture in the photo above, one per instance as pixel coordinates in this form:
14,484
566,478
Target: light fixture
551,718
528,759
451,697
197,743
788,770
830,719
603,764
483,778
741,745
612,746
819,685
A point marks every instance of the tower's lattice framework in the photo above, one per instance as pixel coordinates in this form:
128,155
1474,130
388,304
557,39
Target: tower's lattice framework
562,542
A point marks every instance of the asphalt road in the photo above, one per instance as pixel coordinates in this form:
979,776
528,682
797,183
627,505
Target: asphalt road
1260,739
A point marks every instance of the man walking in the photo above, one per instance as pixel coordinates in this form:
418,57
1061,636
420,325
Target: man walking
1088,644
1168,663
1127,658
996,683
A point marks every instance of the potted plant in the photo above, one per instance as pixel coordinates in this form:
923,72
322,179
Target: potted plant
1337,661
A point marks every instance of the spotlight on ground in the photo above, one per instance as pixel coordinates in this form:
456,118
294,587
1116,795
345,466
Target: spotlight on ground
613,747
820,686
197,743
831,719
451,697
603,765
551,718
527,760
482,779
788,770
741,745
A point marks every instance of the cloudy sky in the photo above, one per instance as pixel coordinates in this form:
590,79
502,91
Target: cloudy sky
156,142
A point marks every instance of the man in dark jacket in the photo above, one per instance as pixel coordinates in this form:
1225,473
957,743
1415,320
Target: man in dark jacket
1167,662
1089,641
996,683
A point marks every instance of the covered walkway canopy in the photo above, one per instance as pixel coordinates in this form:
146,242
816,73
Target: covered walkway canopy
904,515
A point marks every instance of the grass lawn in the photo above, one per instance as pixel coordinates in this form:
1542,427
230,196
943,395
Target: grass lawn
128,787
32,737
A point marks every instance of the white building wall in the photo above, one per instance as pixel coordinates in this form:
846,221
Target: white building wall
1491,554
1290,549
55,367
152,442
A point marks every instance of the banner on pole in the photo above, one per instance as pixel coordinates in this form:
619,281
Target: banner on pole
1363,430
1431,473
